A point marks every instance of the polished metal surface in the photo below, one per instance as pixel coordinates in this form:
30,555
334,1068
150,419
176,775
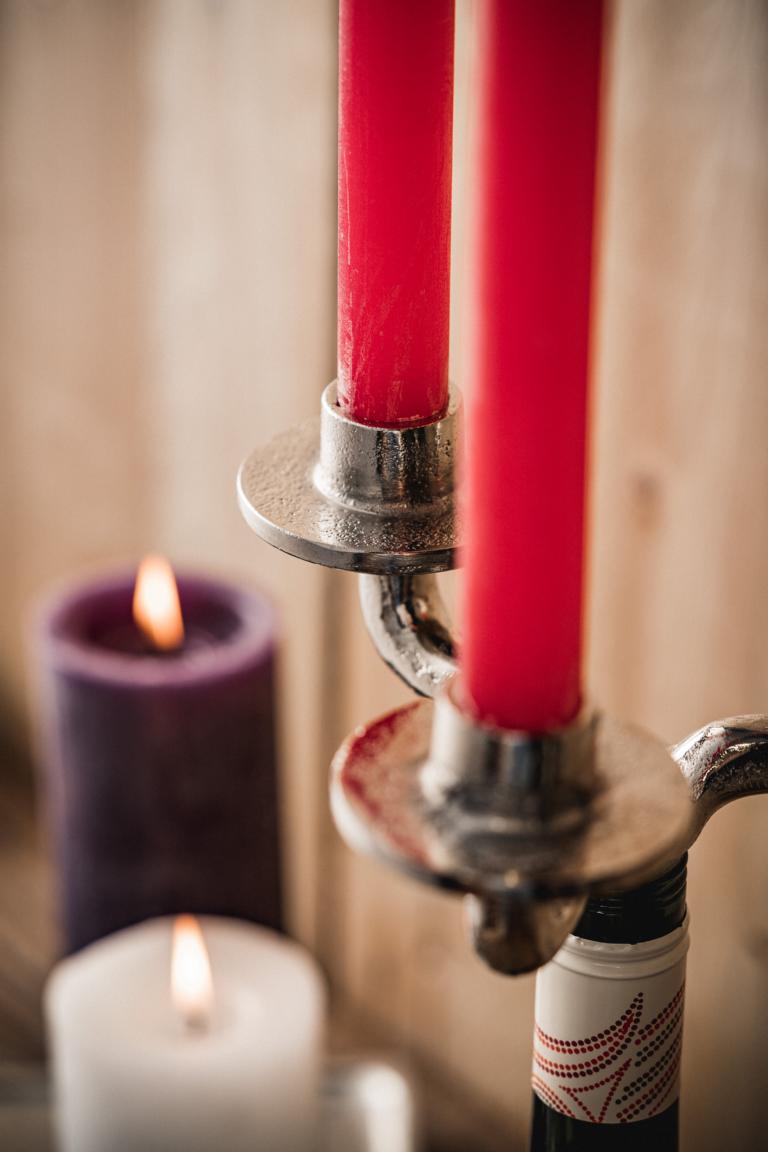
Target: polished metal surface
409,625
397,794
514,935
724,761
382,470
529,781
530,824
343,494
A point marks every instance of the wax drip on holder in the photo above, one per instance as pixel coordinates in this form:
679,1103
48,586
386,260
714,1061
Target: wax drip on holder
526,824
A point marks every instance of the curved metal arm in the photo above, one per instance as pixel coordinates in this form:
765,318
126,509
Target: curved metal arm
724,761
408,622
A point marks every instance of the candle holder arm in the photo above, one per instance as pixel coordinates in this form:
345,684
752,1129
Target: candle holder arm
409,625
723,761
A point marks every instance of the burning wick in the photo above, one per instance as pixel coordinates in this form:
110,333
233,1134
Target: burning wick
191,980
156,607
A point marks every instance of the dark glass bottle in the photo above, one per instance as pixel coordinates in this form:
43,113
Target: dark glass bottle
609,1013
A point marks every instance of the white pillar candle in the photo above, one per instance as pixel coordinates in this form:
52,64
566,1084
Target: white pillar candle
229,1060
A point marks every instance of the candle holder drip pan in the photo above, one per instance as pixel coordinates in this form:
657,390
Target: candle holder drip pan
353,496
526,824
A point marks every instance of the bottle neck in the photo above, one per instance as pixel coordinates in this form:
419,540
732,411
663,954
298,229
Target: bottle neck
646,913
609,1013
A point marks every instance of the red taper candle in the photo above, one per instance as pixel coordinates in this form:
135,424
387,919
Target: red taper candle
395,131
527,389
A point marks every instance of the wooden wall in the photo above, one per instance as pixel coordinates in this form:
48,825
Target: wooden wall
680,563
167,298
167,230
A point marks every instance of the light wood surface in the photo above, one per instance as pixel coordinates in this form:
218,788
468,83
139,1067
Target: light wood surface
681,511
167,225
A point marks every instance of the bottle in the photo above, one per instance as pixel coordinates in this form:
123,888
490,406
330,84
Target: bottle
609,1019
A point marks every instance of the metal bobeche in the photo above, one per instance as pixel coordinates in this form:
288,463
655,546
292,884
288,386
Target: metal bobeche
526,823
529,825
352,496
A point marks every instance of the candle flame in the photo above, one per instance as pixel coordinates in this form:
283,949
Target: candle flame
156,607
191,980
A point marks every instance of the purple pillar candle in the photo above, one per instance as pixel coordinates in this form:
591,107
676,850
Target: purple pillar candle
159,767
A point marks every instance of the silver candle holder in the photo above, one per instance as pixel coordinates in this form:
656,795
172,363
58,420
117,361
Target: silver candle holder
351,496
526,825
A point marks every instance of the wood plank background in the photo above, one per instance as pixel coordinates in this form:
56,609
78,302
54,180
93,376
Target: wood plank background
167,229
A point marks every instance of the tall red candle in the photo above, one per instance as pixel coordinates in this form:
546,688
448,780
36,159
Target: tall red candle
395,131
527,391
